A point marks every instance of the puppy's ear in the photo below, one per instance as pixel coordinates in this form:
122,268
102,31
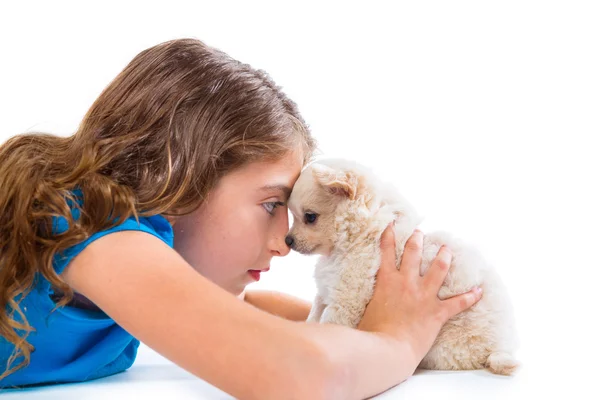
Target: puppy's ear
337,182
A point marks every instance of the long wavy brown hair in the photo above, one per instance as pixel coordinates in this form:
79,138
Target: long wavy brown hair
179,116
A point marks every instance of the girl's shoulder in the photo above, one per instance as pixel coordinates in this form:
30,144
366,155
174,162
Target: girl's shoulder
156,225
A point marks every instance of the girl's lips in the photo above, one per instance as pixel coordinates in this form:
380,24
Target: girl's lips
255,273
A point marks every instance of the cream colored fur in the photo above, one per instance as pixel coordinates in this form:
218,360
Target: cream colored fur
353,209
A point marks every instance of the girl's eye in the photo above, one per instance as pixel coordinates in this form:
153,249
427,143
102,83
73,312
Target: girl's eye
310,218
271,206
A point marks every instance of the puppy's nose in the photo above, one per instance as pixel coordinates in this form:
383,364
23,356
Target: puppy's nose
289,240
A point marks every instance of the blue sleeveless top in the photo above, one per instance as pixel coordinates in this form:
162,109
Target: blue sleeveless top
75,344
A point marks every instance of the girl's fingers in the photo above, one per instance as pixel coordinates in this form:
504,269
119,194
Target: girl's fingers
434,278
411,257
388,251
457,304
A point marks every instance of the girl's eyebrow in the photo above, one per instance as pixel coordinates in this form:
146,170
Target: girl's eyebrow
286,190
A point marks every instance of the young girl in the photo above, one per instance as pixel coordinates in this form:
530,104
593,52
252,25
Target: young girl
148,223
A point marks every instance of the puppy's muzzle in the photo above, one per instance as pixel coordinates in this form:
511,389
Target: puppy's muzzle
289,240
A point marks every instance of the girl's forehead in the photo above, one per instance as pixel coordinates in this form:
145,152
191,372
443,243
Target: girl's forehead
290,163
287,168
278,173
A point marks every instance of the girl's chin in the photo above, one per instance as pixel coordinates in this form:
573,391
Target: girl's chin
238,288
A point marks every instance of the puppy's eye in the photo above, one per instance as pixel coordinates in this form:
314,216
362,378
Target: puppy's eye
310,218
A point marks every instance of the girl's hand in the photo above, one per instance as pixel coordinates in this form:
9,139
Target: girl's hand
405,305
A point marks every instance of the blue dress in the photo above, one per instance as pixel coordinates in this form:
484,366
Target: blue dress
75,344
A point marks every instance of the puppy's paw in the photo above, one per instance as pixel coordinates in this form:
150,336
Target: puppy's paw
502,363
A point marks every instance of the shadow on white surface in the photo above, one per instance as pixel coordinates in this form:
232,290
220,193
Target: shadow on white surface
151,376
154,376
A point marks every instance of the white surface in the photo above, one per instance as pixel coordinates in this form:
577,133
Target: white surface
484,114
152,376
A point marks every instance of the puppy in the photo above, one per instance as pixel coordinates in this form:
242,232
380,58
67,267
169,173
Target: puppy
340,211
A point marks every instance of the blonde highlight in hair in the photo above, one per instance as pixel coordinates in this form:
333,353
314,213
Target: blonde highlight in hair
180,116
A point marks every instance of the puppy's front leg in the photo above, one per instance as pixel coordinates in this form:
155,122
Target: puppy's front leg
336,313
316,310
349,300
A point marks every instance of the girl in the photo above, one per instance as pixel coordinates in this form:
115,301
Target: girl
150,220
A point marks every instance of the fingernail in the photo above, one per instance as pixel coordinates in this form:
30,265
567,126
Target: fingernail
478,290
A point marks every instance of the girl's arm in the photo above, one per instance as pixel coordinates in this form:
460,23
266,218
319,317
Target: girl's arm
280,304
148,289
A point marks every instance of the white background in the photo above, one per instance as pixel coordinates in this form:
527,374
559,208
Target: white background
484,114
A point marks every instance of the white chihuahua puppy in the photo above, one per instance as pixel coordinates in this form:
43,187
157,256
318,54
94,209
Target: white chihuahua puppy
340,211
